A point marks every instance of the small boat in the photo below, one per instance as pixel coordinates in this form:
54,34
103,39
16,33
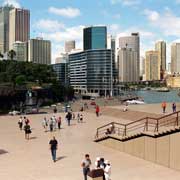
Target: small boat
135,102
164,89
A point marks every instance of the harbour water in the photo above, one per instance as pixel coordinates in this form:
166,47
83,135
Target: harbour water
151,97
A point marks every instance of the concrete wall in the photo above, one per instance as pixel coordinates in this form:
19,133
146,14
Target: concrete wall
163,150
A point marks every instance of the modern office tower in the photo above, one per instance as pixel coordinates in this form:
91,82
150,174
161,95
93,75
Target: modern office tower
91,71
127,65
69,46
160,46
175,58
39,51
142,66
19,26
169,68
95,37
61,70
131,42
152,66
21,49
111,42
4,28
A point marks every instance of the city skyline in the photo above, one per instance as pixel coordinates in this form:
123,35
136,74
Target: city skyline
59,21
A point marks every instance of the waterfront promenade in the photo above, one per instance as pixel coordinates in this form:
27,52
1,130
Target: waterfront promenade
31,160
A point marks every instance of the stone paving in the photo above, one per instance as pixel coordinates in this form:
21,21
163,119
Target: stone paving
31,160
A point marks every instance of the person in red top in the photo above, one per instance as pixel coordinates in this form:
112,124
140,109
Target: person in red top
164,106
97,110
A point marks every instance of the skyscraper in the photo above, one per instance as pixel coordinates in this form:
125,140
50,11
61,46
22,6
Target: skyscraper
160,46
39,51
95,37
4,28
127,65
152,65
132,42
175,58
111,42
19,29
69,46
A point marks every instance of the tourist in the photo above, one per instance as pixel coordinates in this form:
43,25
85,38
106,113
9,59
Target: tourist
86,163
174,107
51,125
78,117
45,124
97,163
164,106
55,109
20,122
81,118
59,122
54,122
126,107
69,117
73,116
27,130
97,110
107,170
53,147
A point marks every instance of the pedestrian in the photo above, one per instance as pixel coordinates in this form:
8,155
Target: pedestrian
55,109
164,106
51,125
69,117
174,107
86,163
97,110
53,147
97,163
73,116
78,117
20,122
81,118
54,122
107,170
27,130
45,124
59,122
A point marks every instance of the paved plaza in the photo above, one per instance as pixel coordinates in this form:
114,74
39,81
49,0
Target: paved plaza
31,160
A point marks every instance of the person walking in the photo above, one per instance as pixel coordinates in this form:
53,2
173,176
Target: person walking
51,125
164,106
97,111
107,170
27,130
69,117
45,124
20,122
174,107
81,118
78,117
59,122
53,145
86,163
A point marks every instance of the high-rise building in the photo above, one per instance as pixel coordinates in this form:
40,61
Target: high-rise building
132,42
69,46
142,66
169,68
95,37
39,51
21,49
127,65
152,66
160,46
111,42
4,28
91,71
175,58
19,26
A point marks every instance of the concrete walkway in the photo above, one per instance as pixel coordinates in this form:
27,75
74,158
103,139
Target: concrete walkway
31,160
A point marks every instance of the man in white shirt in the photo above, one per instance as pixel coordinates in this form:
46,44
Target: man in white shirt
107,170
86,163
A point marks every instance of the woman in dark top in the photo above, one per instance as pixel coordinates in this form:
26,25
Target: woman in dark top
27,130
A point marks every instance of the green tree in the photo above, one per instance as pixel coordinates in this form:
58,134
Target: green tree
20,80
11,54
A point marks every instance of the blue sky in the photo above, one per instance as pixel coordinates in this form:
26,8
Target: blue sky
60,20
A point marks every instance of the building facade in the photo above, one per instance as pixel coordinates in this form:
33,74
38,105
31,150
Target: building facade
4,28
21,49
69,46
152,66
160,46
39,51
175,58
95,37
132,42
19,26
91,71
127,65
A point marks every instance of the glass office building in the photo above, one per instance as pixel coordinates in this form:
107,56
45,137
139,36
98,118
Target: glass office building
91,71
95,37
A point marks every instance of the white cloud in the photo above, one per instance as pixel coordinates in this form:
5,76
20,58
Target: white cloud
68,12
15,3
167,22
152,15
49,25
126,2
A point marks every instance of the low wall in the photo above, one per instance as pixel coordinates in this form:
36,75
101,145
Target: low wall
162,150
